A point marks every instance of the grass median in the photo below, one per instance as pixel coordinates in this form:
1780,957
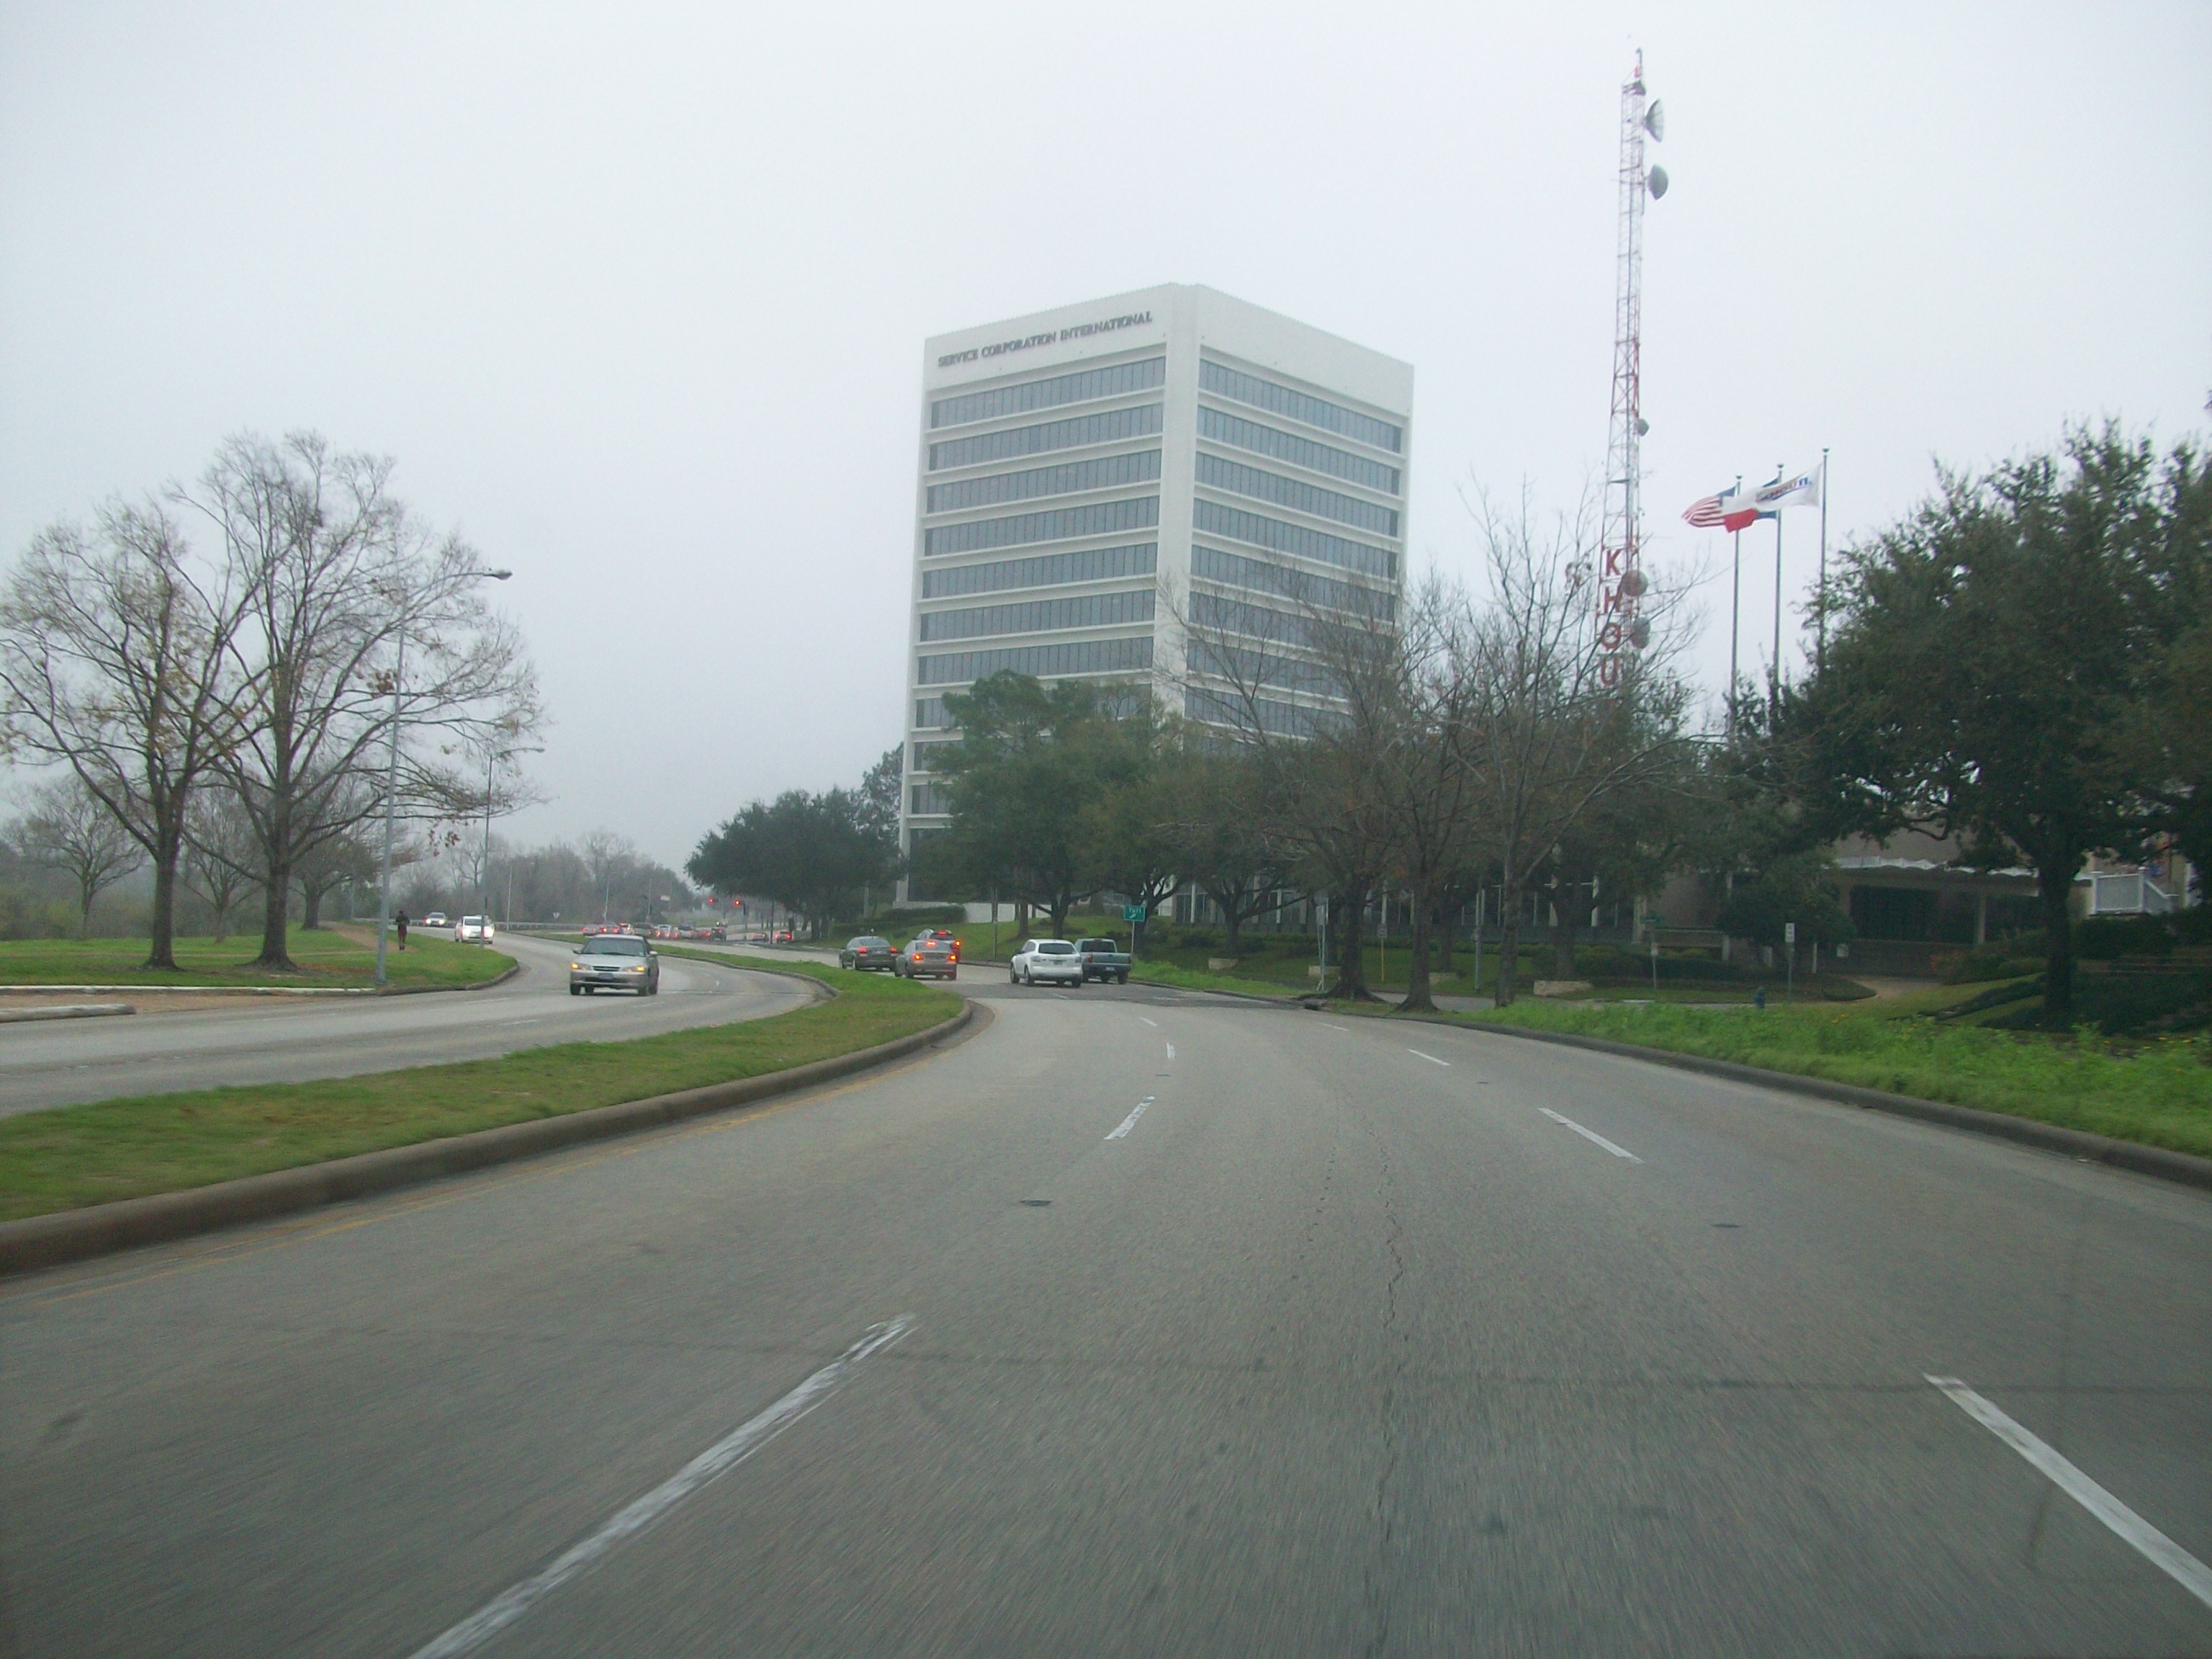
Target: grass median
72,1156
328,958
2158,1093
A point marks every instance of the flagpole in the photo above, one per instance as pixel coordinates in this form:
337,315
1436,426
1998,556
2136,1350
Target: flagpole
1821,648
1774,669
1736,617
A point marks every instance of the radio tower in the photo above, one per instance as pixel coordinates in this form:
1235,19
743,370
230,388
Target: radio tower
1621,586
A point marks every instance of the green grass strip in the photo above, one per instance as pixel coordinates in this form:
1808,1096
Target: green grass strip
326,959
73,1156
2159,1093
1199,979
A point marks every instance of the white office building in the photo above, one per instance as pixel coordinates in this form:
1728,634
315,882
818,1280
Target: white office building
1087,473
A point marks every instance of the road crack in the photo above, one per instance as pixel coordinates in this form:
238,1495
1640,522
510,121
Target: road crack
1397,1350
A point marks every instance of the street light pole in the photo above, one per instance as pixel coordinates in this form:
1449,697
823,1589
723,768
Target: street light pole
391,777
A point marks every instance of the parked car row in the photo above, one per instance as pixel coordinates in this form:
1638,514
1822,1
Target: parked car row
935,954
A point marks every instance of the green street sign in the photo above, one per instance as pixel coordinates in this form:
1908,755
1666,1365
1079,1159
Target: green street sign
1133,913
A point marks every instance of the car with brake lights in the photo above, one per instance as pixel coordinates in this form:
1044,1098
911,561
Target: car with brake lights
932,954
615,961
869,954
1046,960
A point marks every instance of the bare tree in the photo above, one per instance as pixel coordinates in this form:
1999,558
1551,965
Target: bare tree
330,864
114,651
221,854
339,572
69,829
1223,842
1308,682
608,858
1424,768
1557,720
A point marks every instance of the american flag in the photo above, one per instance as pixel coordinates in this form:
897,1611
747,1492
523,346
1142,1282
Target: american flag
1705,512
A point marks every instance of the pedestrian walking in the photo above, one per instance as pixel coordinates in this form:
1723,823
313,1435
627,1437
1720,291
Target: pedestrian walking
399,926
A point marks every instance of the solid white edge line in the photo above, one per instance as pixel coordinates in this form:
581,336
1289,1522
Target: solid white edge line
2154,1545
1590,1134
1154,1024
724,1455
1121,1132
1171,1051
1431,1059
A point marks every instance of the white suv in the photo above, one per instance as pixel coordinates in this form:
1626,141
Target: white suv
473,930
1046,960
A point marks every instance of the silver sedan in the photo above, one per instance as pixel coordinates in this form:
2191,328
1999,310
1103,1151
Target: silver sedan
615,961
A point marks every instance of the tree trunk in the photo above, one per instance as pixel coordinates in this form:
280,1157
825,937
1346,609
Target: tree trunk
1351,947
162,926
2054,886
1563,931
275,954
1440,930
1232,913
311,906
1508,941
1418,999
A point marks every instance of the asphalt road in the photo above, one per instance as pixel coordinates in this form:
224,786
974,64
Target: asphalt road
290,1040
1352,1342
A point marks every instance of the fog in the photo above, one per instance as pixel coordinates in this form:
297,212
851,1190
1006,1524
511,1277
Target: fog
636,296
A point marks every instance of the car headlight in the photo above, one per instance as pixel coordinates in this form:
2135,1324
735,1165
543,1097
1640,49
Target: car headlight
634,970
575,967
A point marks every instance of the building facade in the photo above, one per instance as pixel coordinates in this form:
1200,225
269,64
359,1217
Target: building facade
1090,475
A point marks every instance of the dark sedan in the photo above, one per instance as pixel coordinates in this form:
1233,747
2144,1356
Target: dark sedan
868,953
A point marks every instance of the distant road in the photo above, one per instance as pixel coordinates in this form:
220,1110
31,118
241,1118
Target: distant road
290,1040
1143,1323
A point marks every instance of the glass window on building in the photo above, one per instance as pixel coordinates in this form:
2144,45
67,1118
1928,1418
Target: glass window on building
1089,564
1226,382
1107,427
1083,386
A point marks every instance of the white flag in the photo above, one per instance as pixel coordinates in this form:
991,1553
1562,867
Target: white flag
1794,489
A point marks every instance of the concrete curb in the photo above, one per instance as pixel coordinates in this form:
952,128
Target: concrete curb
66,1011
512,968
2185,1168
49,1241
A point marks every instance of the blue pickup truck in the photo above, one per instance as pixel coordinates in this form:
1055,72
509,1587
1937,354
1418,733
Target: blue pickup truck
1105,959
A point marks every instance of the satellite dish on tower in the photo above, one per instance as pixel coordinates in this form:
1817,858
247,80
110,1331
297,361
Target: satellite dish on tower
1656,184
1655,121
1643,427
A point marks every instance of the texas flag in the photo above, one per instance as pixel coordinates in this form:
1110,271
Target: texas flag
1728,509
1737,507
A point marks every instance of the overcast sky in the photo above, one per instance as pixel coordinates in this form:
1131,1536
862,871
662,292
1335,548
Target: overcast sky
636,296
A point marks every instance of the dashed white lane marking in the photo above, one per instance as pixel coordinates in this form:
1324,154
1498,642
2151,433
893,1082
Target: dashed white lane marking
1346,1030
1590,1134
724,1455
1431,1059
1171,1051
1154,1024
1121,1131
2161,1551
